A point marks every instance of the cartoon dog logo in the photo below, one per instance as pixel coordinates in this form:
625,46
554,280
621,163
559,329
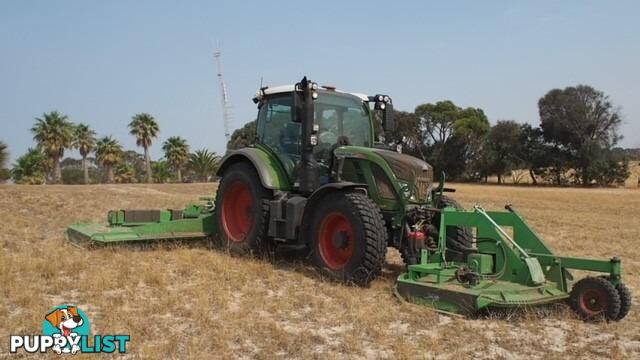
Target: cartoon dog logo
65,319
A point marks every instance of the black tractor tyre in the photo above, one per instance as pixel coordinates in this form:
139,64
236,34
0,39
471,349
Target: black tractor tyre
242,211
348,237
459,239
625,300
595,298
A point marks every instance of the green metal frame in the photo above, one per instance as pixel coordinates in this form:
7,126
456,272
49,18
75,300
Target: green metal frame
524,269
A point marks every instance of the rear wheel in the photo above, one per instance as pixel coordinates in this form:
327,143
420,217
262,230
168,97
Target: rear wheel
348,237
242,210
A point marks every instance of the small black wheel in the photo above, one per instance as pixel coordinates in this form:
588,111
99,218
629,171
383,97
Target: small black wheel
348,238
595,298
625,300
242,210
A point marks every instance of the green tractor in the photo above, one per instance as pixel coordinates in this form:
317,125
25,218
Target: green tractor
316,181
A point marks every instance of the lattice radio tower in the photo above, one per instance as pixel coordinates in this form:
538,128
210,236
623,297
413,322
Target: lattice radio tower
226,106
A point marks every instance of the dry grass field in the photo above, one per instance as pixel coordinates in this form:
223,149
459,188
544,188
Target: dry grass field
196,302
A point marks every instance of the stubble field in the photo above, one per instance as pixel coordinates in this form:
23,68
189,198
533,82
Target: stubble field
180,301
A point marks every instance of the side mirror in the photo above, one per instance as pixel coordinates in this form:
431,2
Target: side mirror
388,122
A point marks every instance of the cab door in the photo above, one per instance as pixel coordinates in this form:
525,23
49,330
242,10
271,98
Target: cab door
279,133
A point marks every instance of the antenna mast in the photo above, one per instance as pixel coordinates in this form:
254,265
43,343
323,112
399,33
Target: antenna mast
226,107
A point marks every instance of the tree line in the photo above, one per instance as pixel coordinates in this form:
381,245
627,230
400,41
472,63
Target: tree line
103,158
574,143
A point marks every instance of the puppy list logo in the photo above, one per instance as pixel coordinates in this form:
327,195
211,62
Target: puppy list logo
66,323
66,331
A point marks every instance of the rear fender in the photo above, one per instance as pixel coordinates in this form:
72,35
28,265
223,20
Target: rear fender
270,171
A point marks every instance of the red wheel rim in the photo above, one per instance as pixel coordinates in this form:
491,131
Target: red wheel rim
593,301
337,240
237,211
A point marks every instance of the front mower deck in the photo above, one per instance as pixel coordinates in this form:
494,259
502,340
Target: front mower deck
445,293
509,271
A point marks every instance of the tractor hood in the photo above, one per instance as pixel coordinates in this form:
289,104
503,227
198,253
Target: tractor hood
411,176
405,167
411,171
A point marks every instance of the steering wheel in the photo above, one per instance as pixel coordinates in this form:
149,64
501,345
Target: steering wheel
327,137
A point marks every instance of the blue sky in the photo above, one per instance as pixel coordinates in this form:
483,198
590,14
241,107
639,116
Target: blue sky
100,62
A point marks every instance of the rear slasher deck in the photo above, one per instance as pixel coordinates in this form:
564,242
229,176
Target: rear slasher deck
195,222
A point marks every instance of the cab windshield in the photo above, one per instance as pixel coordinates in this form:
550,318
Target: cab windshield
342,119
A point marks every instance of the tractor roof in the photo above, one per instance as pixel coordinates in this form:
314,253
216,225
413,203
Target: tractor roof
289,88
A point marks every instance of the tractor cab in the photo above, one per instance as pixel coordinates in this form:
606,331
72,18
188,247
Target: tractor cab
336,119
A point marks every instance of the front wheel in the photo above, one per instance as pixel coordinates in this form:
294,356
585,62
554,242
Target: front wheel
348,238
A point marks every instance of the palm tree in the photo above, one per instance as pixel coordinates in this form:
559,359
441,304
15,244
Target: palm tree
84,139
176,150
30,168
5,174
145,128
161,171
108,153
53,133
124,174
204,163
4,155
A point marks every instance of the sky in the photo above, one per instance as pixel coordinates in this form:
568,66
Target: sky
101,62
